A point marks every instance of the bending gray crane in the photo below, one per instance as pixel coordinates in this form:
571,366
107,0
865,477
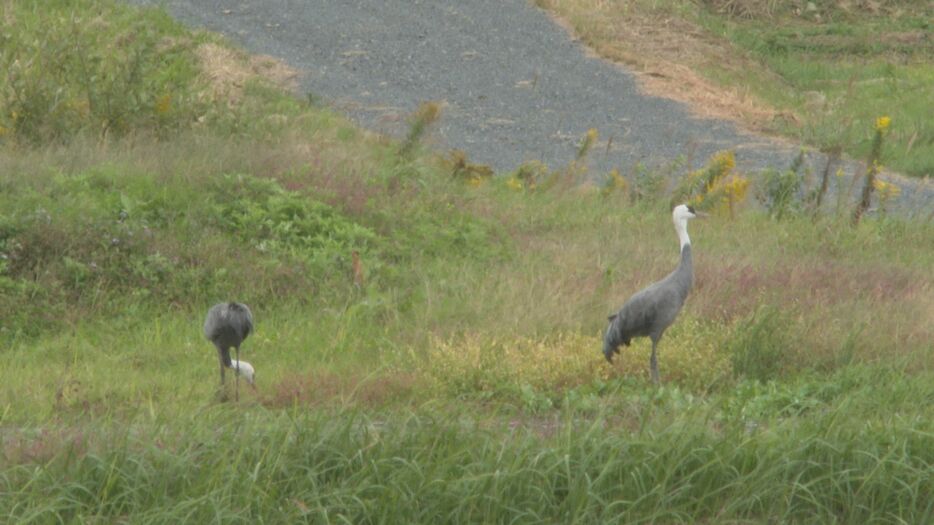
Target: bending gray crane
652,310
227,325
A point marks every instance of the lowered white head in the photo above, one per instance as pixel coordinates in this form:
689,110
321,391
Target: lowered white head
681,214
246,370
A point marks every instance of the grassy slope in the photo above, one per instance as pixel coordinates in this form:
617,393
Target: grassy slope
462,380
828,72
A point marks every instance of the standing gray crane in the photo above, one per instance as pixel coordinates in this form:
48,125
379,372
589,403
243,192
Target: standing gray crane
652,310
227,325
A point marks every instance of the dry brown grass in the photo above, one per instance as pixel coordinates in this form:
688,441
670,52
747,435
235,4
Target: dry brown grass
327,388
227,71
889,309
41,445
666,53
733,287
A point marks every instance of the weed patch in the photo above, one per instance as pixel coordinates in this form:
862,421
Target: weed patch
110,71
272,220
760,344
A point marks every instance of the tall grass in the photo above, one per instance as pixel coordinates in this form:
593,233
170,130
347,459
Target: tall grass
224,465
110,70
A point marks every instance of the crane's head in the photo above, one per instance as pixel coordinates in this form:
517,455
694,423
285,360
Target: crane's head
246,371
683,212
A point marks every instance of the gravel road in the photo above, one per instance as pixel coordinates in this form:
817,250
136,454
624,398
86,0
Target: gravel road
516,87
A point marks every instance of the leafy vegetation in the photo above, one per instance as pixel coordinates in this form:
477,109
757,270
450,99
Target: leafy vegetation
427,342
109,71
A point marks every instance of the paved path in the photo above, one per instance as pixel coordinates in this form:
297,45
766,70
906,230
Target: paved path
516,87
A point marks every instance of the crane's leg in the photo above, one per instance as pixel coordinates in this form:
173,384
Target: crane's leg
220,391
220,357
653,362
237,389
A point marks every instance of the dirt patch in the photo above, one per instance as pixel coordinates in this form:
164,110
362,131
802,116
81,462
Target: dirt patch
323,388
21,446
665,54
227,71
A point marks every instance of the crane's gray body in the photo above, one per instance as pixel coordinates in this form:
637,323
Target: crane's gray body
227,325
651,311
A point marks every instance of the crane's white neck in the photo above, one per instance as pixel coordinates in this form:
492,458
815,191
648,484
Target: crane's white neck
681,226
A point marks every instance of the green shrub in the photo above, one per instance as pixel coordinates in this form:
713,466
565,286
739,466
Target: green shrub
278,222
781,192
647,184
419,122
111,70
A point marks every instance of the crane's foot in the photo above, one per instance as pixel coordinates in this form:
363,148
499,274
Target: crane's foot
222,395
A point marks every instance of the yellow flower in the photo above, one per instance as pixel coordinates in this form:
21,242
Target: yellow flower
163,104
736,188
882,124
886,190
83,107
726,160
615,181
514,183
839,172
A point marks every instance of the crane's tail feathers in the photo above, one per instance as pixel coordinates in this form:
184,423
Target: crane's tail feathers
224,354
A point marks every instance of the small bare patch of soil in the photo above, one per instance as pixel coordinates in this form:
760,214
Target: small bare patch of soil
228,71
323,388
665,53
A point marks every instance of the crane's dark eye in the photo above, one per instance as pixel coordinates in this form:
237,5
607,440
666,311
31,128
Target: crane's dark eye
691,209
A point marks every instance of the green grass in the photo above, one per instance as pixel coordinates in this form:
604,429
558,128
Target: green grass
826,70
827,451
842,71
461,379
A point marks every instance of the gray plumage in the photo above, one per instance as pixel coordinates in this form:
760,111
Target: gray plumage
651,311
227,325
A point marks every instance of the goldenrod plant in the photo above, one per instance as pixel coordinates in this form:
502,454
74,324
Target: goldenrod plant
715,187
419,122
873,166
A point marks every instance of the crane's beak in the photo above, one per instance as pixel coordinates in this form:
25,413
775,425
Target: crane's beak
701,214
